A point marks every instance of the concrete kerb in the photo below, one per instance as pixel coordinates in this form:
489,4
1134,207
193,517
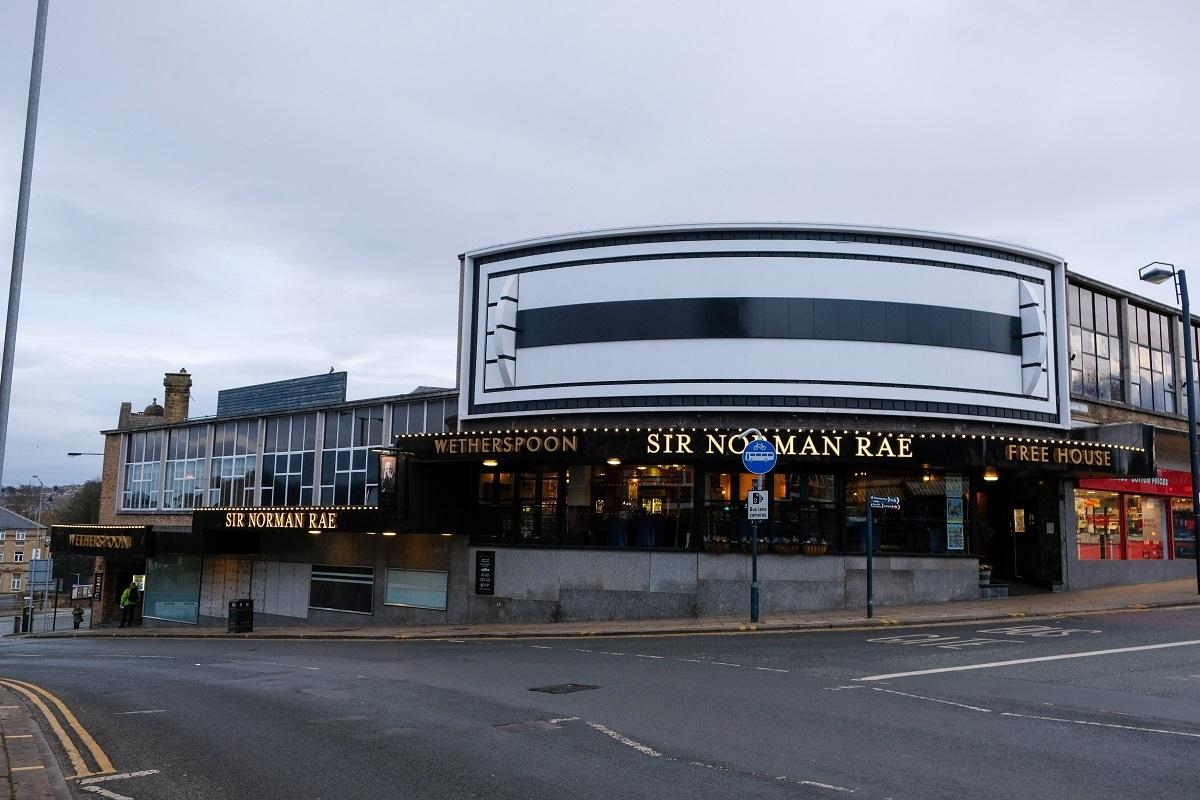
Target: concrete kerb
47,782
724,627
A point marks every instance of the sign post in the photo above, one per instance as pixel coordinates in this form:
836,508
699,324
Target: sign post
874,502
759,458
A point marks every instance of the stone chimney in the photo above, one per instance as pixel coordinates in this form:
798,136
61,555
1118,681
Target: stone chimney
176,395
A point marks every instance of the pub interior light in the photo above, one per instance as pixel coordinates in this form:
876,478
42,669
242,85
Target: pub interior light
990,474
491,462
315,533
389,533
613,462
447,535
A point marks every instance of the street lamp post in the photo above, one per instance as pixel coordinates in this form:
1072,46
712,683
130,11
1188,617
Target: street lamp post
41,499
1157,272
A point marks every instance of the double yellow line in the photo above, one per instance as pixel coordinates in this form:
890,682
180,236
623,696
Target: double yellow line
37,696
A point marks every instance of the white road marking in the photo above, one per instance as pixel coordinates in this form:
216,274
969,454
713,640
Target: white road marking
842,688
24,655
693,661
625,740
1102,724
1019,661
129,655
275,664
1038,631
100,790
540,647
724,664
579,650
647,750
771,669
120,776
934,640
817,784
933,700
560,720
148,711
638,655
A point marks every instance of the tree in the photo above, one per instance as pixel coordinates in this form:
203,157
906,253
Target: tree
24,500
82,508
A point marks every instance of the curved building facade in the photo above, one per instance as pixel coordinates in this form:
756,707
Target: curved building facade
794,319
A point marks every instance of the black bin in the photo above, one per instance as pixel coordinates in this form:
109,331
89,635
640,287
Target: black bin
241,616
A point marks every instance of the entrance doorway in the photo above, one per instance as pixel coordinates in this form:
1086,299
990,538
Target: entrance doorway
1021,540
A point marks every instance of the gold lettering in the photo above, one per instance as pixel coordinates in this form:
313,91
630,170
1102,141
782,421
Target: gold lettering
440,445
570,444
740,438
551,444
716,446
684,443
485,445
785,447
229,519
833,445
652,445
905,443
533,444
885,447
518,444
862,446
809,448
1010,452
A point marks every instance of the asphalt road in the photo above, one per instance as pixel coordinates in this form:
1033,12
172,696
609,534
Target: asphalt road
759,715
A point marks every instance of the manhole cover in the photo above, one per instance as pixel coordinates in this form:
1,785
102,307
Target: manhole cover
563,688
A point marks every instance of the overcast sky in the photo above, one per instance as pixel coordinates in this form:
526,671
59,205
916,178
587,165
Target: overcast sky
262,190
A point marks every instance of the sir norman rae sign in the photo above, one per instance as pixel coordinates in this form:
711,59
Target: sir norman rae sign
653,445
347,518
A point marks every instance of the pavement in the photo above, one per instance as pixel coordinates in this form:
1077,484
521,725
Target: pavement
1163,594
28,768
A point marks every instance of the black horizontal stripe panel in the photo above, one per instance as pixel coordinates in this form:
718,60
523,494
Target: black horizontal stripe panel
769,318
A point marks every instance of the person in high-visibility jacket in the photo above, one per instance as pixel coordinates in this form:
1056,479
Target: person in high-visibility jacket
129,599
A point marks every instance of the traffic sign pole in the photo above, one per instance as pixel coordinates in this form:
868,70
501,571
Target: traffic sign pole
759,457
870,548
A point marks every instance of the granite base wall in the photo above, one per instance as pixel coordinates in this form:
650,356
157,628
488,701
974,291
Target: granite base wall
579,585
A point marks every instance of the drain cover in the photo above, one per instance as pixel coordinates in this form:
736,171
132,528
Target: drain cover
563,688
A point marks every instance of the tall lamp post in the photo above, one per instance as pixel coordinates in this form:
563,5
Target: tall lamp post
1158,272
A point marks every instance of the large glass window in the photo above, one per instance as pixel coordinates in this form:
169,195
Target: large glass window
1183,528
186,453
1095,344
143,453
337,588
1097,525
1151,363
1145,527
231,474
289,461
919,526
173,588
349,471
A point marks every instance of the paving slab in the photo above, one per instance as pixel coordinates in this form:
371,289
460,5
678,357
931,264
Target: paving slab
29,767
1114,598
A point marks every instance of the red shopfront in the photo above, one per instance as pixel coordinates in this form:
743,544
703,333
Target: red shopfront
1135,519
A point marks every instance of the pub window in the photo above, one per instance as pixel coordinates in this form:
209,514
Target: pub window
1151,363
417,588
1095,344
349,471
143,452
186,453
231,474
337,588
289,461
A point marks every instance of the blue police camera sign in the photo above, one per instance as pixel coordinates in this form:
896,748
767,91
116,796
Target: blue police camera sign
759,457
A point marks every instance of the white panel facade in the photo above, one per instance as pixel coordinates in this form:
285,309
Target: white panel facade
538,337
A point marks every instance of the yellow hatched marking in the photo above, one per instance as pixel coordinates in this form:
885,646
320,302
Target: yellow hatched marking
102,762
72,752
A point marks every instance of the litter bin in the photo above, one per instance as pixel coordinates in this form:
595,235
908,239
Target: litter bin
26,619
241,616
16,624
